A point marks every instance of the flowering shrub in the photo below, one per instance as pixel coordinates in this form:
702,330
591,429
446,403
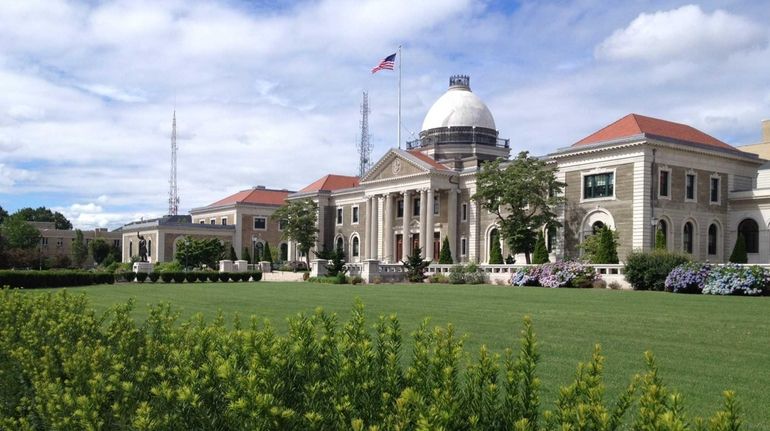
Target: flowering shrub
557,274
687,278
734,279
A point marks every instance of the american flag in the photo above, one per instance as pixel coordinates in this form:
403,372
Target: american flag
386,63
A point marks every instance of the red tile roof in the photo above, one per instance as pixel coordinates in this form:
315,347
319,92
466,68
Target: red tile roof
635,124
332,182
427,159
254,196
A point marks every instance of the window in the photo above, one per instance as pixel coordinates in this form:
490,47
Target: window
224,221
663,229
339,215
284,251
339,246
750,231
712,239
596,227
714,191
260,223
416,207
355,251
130,248
689,187
354,215
115,242
213,221
687,237
551,233
463,247
282,224
436,205
44,241
400,208
202,221
599,185
60,242
464,213
663,176
149,247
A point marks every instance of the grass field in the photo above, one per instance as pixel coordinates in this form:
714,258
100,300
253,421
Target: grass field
703,344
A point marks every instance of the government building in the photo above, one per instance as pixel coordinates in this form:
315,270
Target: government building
638,175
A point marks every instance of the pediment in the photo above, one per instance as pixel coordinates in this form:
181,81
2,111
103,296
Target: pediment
394,165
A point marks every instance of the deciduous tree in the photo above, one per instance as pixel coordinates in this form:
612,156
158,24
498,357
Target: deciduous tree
99,250
79,249
44,214
192,253
299,224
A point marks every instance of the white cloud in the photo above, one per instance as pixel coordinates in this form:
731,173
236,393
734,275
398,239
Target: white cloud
9,176
686,33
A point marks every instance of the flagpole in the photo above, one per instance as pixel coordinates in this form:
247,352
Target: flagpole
399,97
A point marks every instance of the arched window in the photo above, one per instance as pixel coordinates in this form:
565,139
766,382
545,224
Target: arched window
551,240
339,246
259,250
284,251
750,231
712,239
687,237
355,246
596,227
663,229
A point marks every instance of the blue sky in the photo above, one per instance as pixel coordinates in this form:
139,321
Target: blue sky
268,92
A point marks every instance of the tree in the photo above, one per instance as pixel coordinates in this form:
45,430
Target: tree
18,234
445,256
523,193
79,249
3,215
268,256
100,250
660,240
739,251
540,255
299,224
336,264
415,266
233,256
601,247
193,253
495,252
247,255
45,215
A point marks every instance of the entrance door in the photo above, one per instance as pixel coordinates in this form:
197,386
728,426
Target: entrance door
399,247
436,245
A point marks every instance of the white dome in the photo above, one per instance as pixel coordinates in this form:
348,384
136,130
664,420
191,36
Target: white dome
458,107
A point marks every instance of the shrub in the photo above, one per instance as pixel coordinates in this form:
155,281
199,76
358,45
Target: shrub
734,279
160,374
648,270
415,266
256,276
558,274
224,277
53,278
457,274
168,266
337,263
127,276
473,274
602,247
356,279
154,276
167,277
687,278
660,240
438,278
525,276
179,276
445,255
202,276
495,252
540,255
213,276
328,279
141,276
739,251
191,277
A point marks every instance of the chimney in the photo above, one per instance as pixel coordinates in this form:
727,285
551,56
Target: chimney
260,187
765,130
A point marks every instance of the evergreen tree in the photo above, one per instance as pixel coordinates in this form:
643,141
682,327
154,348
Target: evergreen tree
267,256
247,255
79,249
336,265
233,256
445,256
495,253
540,255
660,240
739,251
415,266
607,251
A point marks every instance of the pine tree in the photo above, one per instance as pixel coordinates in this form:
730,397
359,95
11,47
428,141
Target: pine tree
660,240
247,255
233,256
415,266
607,247
540,255
495,253
445,256
267,256
739,251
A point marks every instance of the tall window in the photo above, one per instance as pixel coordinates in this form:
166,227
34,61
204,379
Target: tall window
284,251
355,251
551,243
260,223
687,237
463,247
400,208
714,191
464,213
224,221
282,224
436,205
339,215
416,207
712,239
213,221
689,187
149,247
339,245
598,185
750,231
354,215
663,183
663,229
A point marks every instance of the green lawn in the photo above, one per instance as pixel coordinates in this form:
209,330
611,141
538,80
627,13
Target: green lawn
704,344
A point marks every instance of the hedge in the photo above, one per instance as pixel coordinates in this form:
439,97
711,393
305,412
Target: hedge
42,279
74,369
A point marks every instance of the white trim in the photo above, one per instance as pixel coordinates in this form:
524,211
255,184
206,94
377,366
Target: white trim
694,185
254,222
598,171
661,169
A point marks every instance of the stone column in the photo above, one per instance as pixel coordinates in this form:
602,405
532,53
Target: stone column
367,231
374,227
423,220
452,222
387,231
406,242
429,225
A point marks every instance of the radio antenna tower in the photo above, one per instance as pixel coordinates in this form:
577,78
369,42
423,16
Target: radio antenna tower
364,145
173,192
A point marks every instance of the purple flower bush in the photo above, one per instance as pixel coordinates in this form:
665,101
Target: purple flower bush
557,274
734,279
688,278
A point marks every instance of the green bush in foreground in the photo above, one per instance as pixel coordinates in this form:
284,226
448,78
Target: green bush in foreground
64,367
